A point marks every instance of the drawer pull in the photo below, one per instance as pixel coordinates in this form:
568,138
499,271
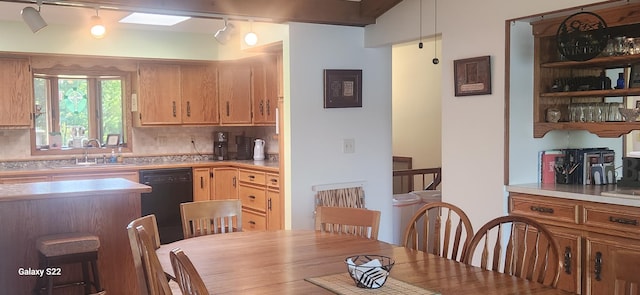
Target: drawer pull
623,220
269,204
233,181
274,181
252,197
252,177
567,260
252,222
201,182
542,209
597,270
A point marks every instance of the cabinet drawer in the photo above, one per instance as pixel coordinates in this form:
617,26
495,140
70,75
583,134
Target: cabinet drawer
252,221
611,217
253,198
273,180
543,208
252,177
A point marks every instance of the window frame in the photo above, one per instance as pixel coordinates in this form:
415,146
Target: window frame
90,68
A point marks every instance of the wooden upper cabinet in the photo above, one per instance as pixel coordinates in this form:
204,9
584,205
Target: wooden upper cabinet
234,86
159,94
265,89
199,94
16,93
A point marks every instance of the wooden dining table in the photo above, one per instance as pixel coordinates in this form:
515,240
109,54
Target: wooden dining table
284,262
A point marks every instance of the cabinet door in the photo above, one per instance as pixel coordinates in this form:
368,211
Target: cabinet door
225,184
570,250
16,92
199,94
201,184
264,90
274,210
159,101
599,272
235,93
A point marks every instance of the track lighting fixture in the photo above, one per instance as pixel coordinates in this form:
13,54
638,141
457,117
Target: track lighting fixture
251,38
224,35
97,27
32,17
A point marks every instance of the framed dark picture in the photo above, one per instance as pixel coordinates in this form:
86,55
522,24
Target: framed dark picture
472,76
634,76
342,88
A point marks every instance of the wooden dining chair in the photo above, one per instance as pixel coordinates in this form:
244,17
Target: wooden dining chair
432,227
626,272
187,276
211,217
354,221
151,227
156,281
517,246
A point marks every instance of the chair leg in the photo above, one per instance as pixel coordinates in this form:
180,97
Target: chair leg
86,278
96,276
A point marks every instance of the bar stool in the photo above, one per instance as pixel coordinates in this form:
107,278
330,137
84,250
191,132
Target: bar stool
67,248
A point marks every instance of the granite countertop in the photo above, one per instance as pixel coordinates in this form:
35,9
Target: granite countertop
69,189
608,194
128,165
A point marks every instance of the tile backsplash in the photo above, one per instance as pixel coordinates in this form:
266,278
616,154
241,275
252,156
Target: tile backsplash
154,141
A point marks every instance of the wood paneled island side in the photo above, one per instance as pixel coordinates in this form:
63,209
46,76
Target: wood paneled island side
103,207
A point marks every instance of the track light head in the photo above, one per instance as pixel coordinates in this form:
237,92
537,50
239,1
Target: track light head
97,27
224,35
33,19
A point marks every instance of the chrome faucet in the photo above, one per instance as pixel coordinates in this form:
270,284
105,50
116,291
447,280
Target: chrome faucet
89,141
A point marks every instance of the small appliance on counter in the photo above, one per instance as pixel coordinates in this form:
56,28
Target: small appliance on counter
221,145
258,149
244,146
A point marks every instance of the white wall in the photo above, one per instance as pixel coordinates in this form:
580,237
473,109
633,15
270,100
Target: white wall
473,127
316,133
416,115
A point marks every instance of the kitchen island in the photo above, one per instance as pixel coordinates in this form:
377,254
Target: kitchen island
102,207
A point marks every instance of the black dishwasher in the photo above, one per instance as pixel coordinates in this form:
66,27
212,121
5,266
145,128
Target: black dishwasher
170,187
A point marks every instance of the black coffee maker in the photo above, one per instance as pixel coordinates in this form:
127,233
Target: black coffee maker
221,145
244,147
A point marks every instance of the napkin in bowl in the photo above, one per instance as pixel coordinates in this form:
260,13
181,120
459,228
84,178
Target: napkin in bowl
370,274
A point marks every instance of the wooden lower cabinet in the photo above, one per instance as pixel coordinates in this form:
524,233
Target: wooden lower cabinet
129,175
587,234
215,183
261,202
23,179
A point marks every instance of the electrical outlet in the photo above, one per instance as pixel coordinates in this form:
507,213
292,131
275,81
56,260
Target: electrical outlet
349,146
193,139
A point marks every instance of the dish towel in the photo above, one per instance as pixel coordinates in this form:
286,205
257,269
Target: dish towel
370,274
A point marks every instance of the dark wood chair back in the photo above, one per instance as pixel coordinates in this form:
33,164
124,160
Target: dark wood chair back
186,274
439,228
517,246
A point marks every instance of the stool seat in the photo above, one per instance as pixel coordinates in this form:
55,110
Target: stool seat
69,248
67,243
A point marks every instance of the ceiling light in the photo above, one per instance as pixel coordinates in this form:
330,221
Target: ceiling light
224,35
97,27
32,17
153,19
251,38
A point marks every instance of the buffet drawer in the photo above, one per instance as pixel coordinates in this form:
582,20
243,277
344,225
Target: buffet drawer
543,208
252,221
254,177
611,217
273,180
254,198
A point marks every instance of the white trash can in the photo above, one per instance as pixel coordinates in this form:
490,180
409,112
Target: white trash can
404,206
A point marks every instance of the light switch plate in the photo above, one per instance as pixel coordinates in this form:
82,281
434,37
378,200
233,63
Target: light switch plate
349,146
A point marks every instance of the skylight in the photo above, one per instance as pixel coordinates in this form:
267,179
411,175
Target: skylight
153,19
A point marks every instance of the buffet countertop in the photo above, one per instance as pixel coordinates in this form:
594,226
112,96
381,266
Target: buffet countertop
608,194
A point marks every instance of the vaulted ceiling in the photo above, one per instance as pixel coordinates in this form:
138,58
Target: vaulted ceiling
338,12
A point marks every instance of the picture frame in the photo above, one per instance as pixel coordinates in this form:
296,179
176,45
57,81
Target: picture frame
634,76
113,140
472,76
342,88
